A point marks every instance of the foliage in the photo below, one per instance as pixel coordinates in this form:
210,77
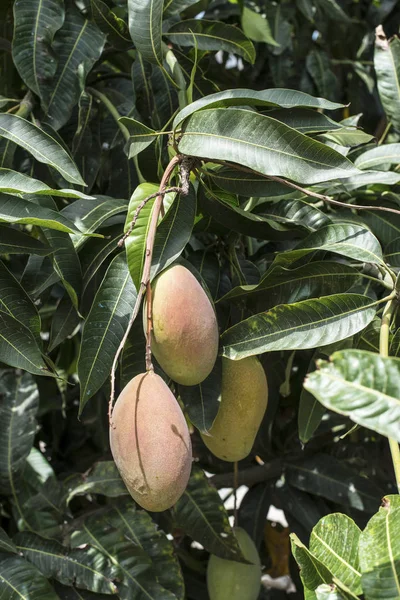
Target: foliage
285,206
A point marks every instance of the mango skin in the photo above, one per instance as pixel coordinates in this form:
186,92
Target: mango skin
244,398
150,442
230,580
185,330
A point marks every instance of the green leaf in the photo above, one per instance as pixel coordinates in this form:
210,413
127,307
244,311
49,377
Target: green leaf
278,97
318,65
387,69
367,178
96,251
361,385
78,44
381,155
135,244
174,231
202,516
202,401
307,121
36,22
323,475
256,27
15,301
286,286
13,182
305,324
103,478
89,215
64,322
40,144
23,212
145,27
212,35
248,184
263,144
254,509
6,545
379,552
65,263
116,29
140,138
312,571
13,241
141,530
20,580
348,136
87,568
136,577
347,239
334,542
18,346
20,403
105,327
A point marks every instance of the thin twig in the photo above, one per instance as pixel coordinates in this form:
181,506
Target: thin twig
235,487
149,328
128,232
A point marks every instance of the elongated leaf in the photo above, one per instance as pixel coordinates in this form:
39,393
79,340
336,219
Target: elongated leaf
306,121
347,239
254,509
64,322
20,403
323,475
115,28
19,211
105,327
379,551
91,214
248,184
381,155
86,568
136,578
103,478
367,178
174,232
135,244
387,69
140,529
294,212
65,263
361,385
13,241
256,27
13,182
140,138
15,301
96,251
202,401
348,136
18,346
285,286
40,144
78,44
202,516
305,324
145,27
35,25
260,143
6,545
20,580
278,97
312,571
212,35
334,542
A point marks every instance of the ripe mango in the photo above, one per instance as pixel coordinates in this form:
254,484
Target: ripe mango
185,330
150,442
230,580
244,398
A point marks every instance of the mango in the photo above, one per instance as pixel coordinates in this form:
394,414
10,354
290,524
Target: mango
244,398
185,330
230,580
150,442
